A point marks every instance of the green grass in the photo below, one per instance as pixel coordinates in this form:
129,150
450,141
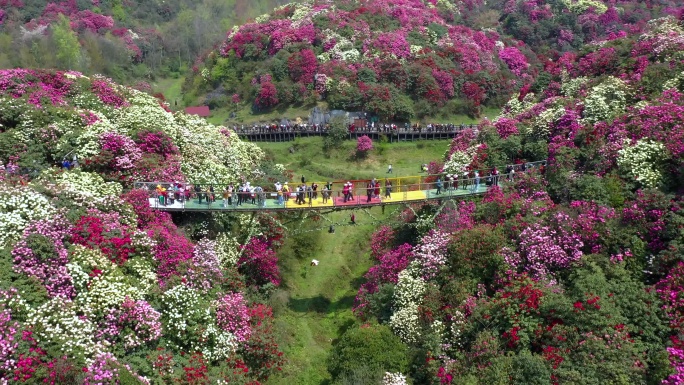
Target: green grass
171,88
310,159
313,307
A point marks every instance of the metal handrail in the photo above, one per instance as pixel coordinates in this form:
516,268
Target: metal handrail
482,172
358,197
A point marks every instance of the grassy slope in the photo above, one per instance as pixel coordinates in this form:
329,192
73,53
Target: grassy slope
314,306
309,158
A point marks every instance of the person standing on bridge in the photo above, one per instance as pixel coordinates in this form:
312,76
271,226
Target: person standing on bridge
326,194
476,185
439,185
345,191
279,192
388,189
225,195
369,191
286,192
198,192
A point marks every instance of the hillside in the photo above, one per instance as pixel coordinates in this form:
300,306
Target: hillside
126,40
402,60
571,273
97,288
567,273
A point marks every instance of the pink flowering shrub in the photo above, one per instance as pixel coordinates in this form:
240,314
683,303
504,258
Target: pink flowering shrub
232,315
386,271
514,59
381,241
267,96
8,339
303,66
393,42
156,142
104,90
134,323
451,220
545,248
41,254
363,144
259,263
123,149
103,370
431,252
506,127
203,271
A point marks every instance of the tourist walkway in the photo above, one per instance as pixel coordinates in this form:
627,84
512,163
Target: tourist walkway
408,193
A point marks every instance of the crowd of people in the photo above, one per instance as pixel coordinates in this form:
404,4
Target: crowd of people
235,195
367,127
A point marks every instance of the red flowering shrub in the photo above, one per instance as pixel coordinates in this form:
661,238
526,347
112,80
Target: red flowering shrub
259,263
267,96
103,232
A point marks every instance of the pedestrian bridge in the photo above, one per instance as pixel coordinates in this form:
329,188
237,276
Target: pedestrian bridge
410,189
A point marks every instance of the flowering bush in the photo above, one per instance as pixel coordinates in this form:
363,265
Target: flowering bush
232,315
259,263
41,254
363,145
134,323
643,161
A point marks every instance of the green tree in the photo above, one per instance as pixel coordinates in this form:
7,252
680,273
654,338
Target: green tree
336,134
68,47
369,350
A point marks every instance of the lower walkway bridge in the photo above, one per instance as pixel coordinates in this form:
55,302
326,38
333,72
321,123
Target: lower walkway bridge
171,196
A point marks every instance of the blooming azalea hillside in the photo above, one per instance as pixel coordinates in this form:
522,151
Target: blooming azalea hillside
97,288
408,59
127,40
571,273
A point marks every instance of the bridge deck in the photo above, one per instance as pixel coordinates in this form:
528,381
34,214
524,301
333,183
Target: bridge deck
271,203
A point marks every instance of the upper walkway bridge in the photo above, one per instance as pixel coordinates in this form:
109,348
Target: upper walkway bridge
409,189
399,134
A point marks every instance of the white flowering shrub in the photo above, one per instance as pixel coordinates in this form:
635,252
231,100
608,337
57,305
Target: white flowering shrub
643,161
515,107
409,289
88,184
185,317
56,324
394,379
572,86
19,206
541,123
140,274
458,162
677,83
605,100
581,6
227,250
408,294
456,328
82,262
219,344
406,324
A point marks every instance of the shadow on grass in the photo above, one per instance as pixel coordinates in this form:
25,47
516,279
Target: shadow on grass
320,304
